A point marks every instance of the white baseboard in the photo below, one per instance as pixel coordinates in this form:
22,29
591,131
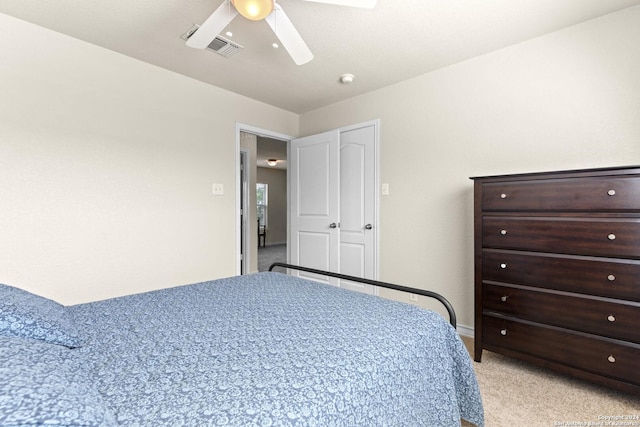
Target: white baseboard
465,331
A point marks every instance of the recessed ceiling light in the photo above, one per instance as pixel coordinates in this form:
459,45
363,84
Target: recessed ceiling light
275,45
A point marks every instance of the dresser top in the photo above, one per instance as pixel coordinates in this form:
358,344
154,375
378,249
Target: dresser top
575,173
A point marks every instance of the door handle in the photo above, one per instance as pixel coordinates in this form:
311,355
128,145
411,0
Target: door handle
368,227
333,225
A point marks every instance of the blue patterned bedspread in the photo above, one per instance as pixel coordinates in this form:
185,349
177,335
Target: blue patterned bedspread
272,350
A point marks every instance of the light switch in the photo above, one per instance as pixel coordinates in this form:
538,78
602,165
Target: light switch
218,189
385,189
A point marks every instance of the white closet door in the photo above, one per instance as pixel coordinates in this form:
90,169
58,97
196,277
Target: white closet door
357,206
315,203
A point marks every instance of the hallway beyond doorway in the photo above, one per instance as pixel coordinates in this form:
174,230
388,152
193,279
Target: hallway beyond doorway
267,255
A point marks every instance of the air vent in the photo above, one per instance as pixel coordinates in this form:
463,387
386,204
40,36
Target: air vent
224,47
219,45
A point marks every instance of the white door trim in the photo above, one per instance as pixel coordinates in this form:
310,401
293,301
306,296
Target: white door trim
242,127
243,196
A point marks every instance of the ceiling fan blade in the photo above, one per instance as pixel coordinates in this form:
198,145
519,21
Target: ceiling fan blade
213,26
289,36
367,4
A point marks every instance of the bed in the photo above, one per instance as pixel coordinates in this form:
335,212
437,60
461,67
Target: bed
264,349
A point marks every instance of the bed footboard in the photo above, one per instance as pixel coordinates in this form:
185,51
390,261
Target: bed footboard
430,294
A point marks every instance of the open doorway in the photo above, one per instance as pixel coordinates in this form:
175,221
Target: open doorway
262,199
271,201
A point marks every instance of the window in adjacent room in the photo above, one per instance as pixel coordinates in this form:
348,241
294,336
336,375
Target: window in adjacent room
262,196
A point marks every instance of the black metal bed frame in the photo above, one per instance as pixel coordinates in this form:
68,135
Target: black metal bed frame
429,294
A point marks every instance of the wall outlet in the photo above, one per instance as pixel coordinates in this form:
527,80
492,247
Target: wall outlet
413,297
218,189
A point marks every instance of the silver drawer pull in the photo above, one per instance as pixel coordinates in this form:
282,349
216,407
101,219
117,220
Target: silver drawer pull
503,196
611,318
503,265
611,277
503,332
503,232
611,192
504,298
611,236
611,359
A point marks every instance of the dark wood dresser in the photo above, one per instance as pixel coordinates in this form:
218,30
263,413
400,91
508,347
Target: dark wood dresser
557,271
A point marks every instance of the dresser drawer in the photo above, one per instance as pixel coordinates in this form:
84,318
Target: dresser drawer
618,237
602,193
596,316
613,278
609,358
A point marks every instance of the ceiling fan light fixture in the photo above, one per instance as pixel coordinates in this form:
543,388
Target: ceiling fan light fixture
254,10
272,162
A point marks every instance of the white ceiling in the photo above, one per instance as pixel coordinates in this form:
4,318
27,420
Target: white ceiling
395,41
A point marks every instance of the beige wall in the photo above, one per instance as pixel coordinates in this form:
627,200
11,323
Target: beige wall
106,163
106,169
570,99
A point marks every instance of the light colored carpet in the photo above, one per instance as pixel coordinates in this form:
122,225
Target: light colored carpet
515,393
267,255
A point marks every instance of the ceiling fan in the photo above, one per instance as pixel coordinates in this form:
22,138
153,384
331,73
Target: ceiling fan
271,12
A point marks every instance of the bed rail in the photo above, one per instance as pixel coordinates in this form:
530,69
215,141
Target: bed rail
429,294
